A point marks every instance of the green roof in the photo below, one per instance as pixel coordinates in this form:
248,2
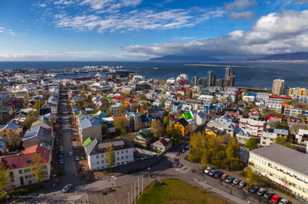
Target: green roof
188,115
87,142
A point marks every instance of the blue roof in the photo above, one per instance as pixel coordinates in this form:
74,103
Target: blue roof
12,125
88,121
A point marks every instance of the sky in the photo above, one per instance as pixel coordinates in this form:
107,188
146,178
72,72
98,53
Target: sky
132,30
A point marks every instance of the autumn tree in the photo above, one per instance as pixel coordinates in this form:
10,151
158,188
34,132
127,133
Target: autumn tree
4,180
38,167
250,176
110,156
120,124
252,143
157,128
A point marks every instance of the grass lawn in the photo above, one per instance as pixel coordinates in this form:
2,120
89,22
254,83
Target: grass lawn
174,191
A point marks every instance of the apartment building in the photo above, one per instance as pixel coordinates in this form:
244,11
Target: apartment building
283,166
252,126
122,151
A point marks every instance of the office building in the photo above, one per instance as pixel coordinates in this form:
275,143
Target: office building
284,166
229,79
278,87
211,79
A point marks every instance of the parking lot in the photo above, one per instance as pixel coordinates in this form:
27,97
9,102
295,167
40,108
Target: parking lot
238,186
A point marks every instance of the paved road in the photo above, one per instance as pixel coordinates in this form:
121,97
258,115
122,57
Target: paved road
70,166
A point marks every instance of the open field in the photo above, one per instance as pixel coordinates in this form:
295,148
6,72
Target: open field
174,191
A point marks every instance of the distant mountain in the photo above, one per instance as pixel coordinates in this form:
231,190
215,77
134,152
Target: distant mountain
228,57
286,56
184,58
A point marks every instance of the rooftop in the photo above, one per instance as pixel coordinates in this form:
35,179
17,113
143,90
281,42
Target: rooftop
284,156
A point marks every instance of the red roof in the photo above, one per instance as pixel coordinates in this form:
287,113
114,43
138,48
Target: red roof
280,97
24,159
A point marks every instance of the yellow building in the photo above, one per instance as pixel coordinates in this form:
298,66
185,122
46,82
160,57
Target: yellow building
182,126
298,91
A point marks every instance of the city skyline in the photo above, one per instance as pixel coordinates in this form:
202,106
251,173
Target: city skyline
43,30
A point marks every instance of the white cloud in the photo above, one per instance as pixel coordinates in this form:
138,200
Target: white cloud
240,4
241,15
137,20
110,4
59,55
273,33
5,30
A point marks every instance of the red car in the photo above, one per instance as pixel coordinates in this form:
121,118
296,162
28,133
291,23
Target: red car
275,199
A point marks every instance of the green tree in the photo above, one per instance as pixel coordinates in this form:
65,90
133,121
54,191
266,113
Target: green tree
250,176
4,180
283,141
38,167
31,117
110,156
252,143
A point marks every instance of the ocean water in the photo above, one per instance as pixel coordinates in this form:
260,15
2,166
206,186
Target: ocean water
247,74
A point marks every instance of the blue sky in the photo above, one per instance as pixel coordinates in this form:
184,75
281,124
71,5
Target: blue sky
142,29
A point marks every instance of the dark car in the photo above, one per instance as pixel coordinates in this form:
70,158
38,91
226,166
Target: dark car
236,181
218,174
67,188
253,189
242,184
268,195
229,179
261,191
212,172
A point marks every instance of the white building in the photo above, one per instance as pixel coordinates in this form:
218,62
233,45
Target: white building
223,124
283,166
122,151
269,137
302,136
252,126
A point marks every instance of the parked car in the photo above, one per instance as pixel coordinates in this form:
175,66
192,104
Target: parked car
211,173
236,181
253,189
67,188
229,179
261,191
208,169
242,184
284,201
224,176
217,174
268,196
275,199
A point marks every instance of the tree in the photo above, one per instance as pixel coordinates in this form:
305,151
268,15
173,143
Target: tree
110,156
252,143
38,104
4,180
250,176
156,128
38,167
120,125
173,134
283,141
31,117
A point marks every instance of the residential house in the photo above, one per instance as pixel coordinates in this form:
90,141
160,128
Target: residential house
90,127
37,134
162,145
20,165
